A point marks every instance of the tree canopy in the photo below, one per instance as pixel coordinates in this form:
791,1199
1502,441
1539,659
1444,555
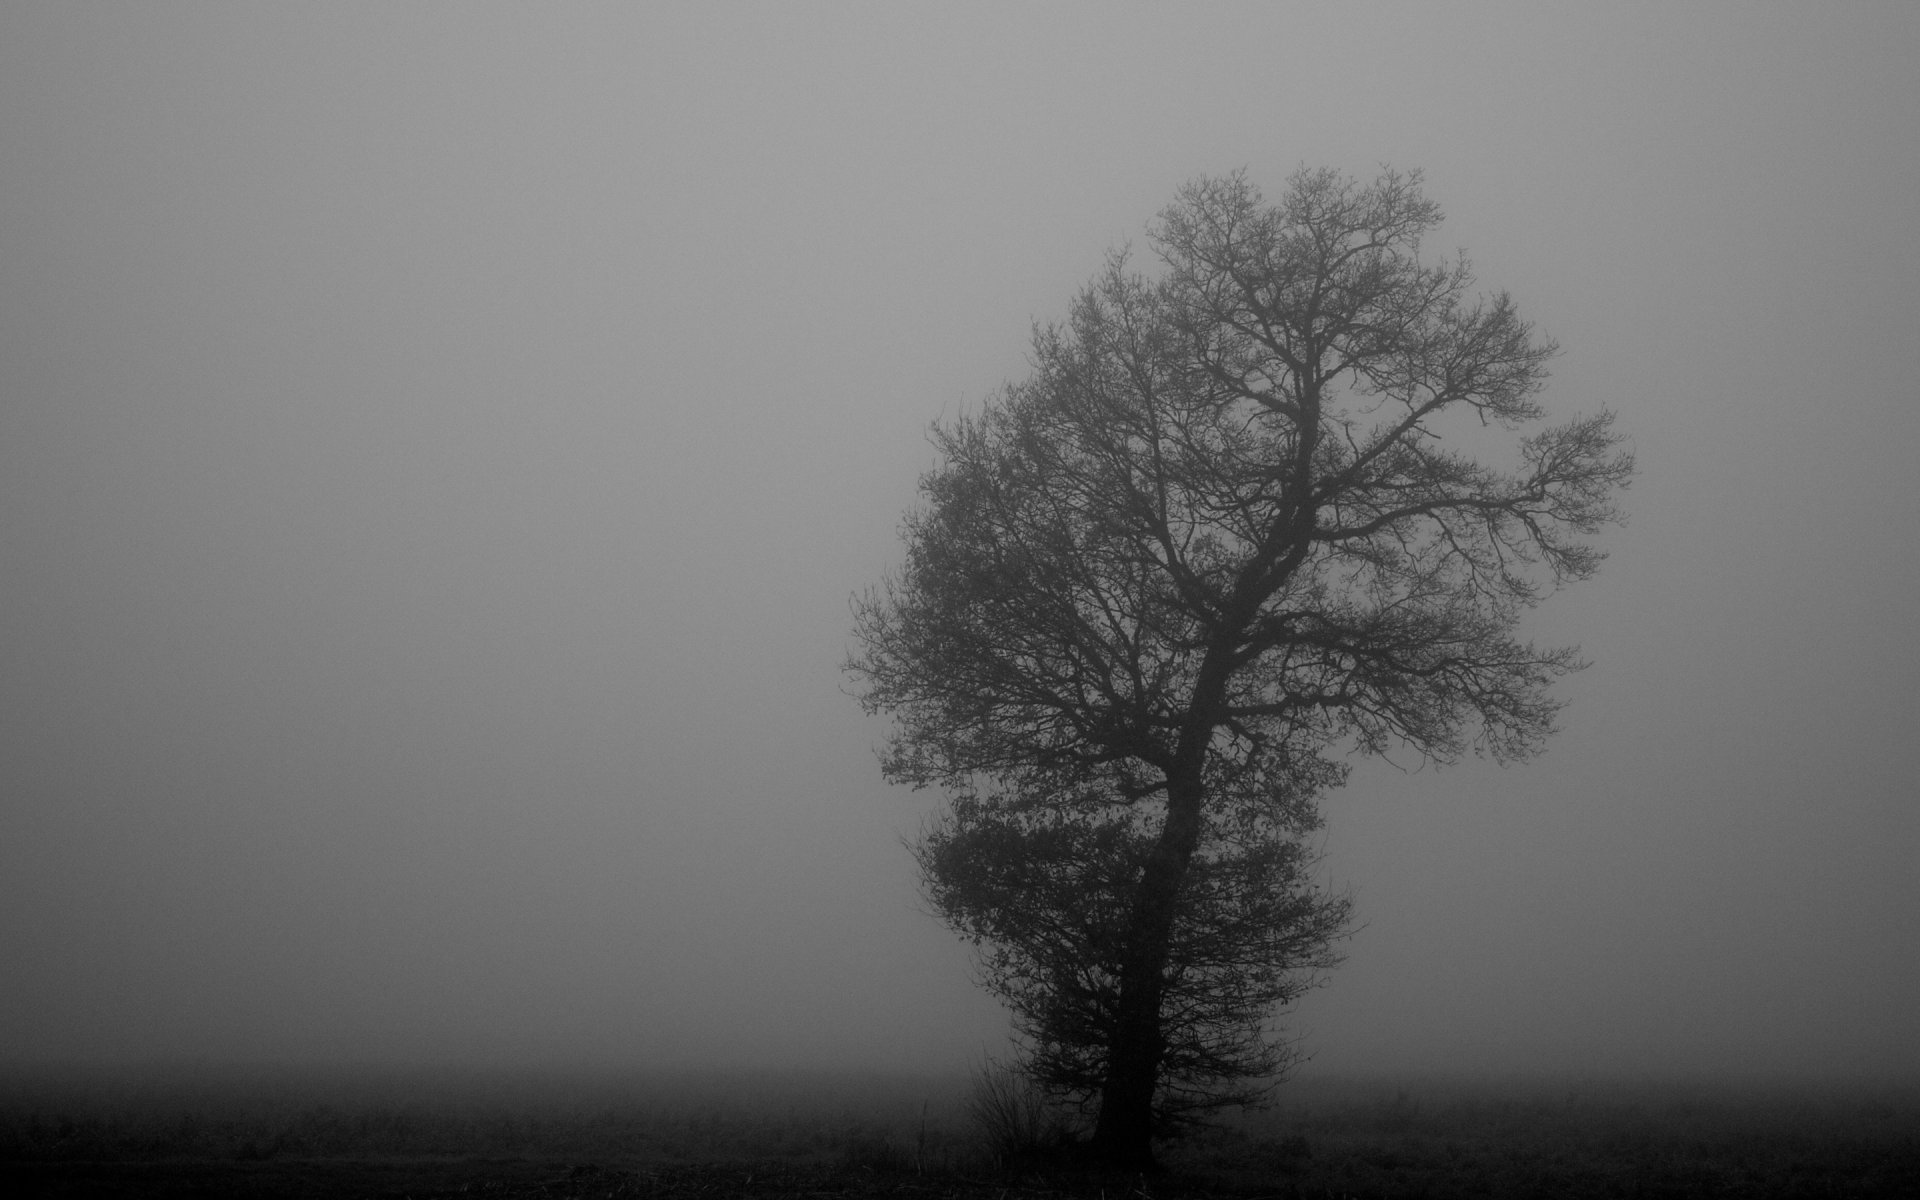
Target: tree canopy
1282,500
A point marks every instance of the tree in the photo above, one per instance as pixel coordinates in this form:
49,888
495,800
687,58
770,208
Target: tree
1219,539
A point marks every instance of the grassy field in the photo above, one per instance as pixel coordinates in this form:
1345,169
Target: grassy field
420,1134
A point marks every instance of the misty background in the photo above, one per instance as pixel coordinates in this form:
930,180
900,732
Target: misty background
438,445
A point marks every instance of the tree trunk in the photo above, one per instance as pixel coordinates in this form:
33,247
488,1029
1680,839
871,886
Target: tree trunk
1123,1134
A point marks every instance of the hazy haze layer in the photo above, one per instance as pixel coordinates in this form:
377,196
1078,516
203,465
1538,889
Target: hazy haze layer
438,443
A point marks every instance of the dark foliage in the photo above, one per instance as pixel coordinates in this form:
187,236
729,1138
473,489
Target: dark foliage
1045,890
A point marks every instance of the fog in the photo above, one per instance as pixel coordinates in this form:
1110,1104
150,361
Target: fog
438,445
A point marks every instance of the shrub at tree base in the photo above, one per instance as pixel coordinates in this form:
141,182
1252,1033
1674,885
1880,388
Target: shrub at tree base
1014,1119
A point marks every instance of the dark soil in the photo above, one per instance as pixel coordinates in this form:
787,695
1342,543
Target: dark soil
1375,1174
811,1138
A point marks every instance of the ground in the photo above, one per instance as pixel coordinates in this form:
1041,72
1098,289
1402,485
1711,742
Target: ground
805,1136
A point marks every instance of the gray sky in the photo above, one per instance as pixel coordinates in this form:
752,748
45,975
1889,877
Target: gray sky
437,446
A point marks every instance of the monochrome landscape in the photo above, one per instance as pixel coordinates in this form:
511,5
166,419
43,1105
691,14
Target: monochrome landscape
530,537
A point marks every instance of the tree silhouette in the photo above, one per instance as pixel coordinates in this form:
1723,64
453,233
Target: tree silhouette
1219,539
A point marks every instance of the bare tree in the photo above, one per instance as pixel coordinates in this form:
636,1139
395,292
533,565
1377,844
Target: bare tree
1224,535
